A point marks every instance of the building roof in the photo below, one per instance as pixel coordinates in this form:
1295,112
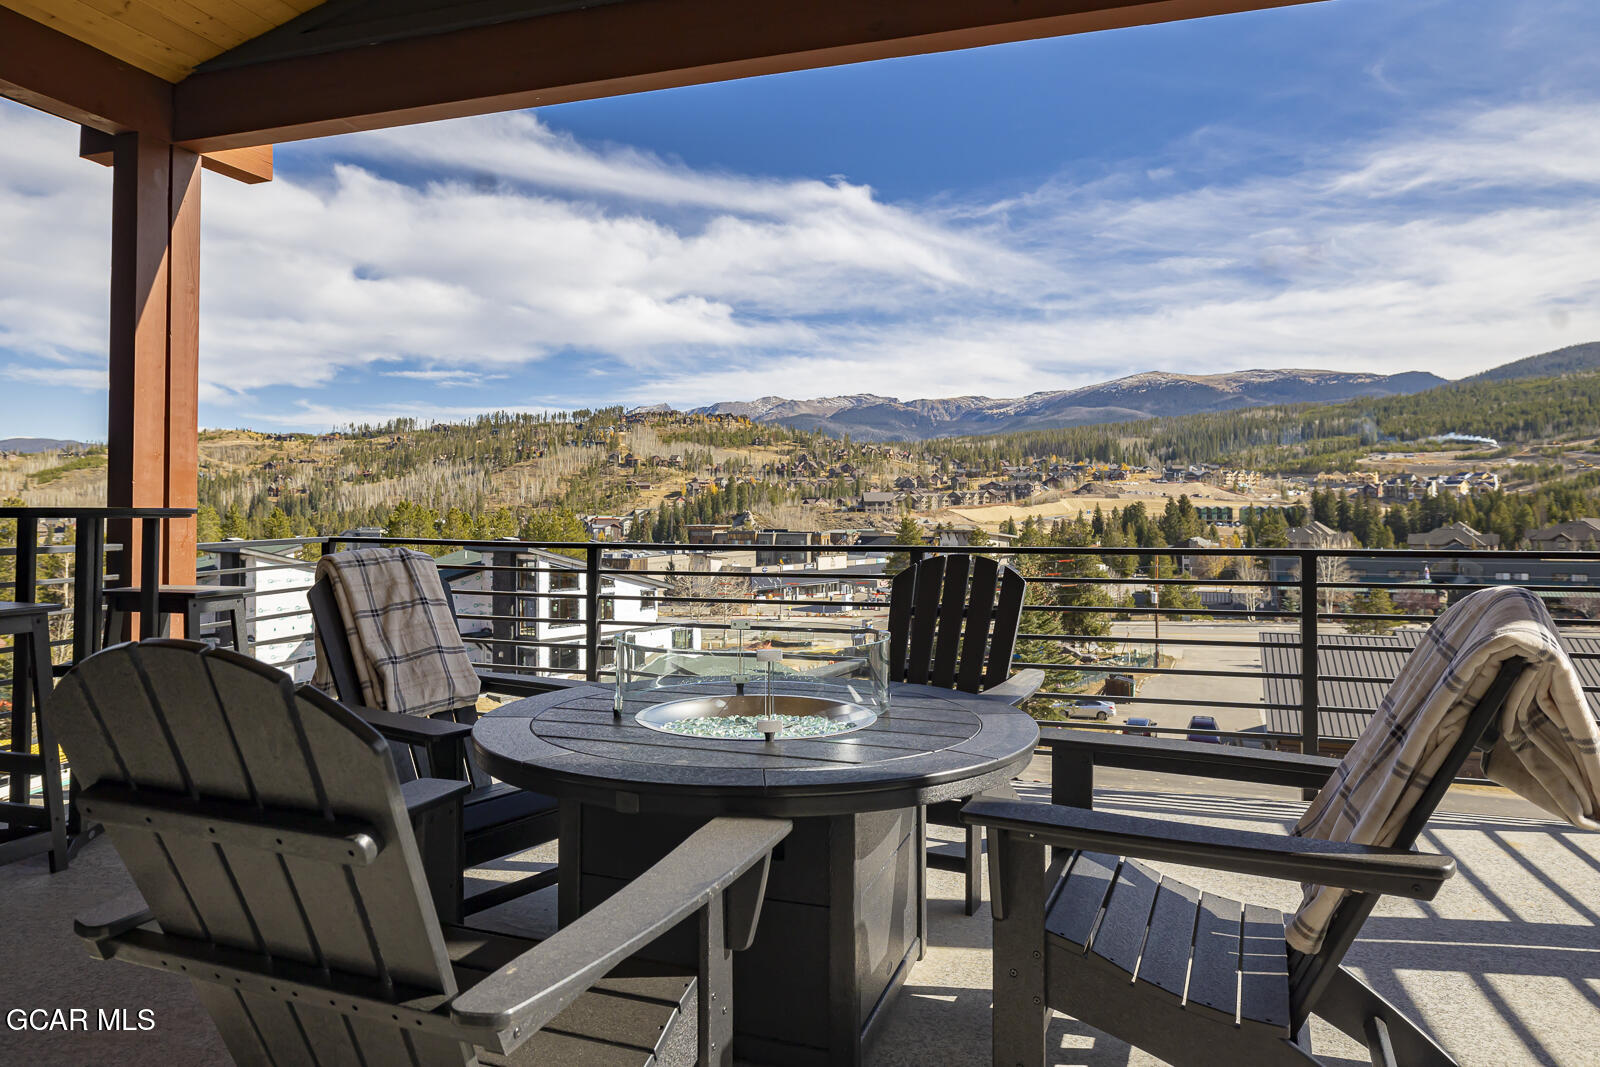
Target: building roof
1581,531
1455,533
1346,707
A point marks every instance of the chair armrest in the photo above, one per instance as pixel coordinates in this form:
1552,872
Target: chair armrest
525,685
1191,757
111,918
433,748
1295,859
411,729
425,794
1017,688
508,1006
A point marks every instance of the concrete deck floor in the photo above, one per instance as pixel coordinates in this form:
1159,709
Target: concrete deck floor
1504,967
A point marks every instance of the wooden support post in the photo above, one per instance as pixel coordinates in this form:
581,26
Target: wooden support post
153,419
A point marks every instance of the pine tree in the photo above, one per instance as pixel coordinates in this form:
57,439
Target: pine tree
908,533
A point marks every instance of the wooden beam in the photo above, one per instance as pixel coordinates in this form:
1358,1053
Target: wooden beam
46,69
249,165
152,429
615,49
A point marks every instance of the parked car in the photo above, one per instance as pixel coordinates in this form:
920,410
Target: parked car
1100,710
1204,722
1138,726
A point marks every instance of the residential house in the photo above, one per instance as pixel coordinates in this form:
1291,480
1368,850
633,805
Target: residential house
1319,535
1575,536
275,623
539,597
608,527
1457,535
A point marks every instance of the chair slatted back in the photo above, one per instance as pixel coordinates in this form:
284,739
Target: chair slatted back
334,641
1310,973
173,734
953,622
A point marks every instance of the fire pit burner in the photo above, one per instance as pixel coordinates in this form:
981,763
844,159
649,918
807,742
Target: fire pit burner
755,717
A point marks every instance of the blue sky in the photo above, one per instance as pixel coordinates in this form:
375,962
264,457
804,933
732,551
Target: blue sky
1360,184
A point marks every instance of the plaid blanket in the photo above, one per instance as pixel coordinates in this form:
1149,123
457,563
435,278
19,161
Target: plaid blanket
403,638
1548,749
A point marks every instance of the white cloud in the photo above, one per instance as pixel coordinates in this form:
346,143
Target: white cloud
87,379
553,272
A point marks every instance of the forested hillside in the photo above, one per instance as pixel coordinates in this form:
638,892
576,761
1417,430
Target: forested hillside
1311,438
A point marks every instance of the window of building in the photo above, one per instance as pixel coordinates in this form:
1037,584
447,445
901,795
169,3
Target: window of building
682,637
565,658
564,608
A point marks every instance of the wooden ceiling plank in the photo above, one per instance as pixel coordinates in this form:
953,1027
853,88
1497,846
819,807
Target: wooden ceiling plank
139,17
272,12
615,49
59,74
224,25
107,35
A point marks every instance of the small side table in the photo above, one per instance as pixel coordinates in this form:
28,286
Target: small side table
190,601
27,828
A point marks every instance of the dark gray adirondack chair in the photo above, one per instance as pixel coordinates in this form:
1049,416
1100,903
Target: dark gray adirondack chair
270,840
1110,941
953,623
499,819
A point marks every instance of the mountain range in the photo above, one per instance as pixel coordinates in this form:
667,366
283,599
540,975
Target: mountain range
36,444
868,417
865,416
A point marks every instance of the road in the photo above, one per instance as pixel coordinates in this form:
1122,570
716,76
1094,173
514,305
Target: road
1243,694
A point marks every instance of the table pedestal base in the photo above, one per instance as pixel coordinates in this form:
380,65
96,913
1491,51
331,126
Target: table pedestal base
842,923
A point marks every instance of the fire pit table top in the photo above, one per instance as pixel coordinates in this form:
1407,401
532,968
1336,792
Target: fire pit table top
932,745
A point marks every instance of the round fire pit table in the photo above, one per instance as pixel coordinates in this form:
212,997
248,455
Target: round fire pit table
845,910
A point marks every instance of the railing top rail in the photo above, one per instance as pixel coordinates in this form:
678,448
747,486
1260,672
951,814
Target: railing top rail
30,511
504,544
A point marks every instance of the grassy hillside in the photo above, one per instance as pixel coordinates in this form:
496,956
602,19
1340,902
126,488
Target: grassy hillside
509,474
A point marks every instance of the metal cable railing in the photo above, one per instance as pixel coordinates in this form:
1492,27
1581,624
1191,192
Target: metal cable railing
1300,638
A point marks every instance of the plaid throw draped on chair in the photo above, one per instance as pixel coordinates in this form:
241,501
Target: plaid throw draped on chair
1548,748
408,653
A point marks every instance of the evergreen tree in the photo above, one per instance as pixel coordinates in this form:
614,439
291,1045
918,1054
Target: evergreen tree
208,524
233,523
909,533
1372,602
277,526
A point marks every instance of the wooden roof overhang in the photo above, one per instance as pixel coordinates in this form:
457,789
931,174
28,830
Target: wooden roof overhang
164,88
213,75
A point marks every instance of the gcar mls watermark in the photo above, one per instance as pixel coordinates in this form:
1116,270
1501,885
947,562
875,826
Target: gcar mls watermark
81,1019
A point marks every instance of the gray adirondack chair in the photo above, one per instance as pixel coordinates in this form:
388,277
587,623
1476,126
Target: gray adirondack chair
1192,977
498,819
271,843
953,623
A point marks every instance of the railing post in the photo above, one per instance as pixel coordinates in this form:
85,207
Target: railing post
150,579
86,585
230,561
591,612
1309,670
27,559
